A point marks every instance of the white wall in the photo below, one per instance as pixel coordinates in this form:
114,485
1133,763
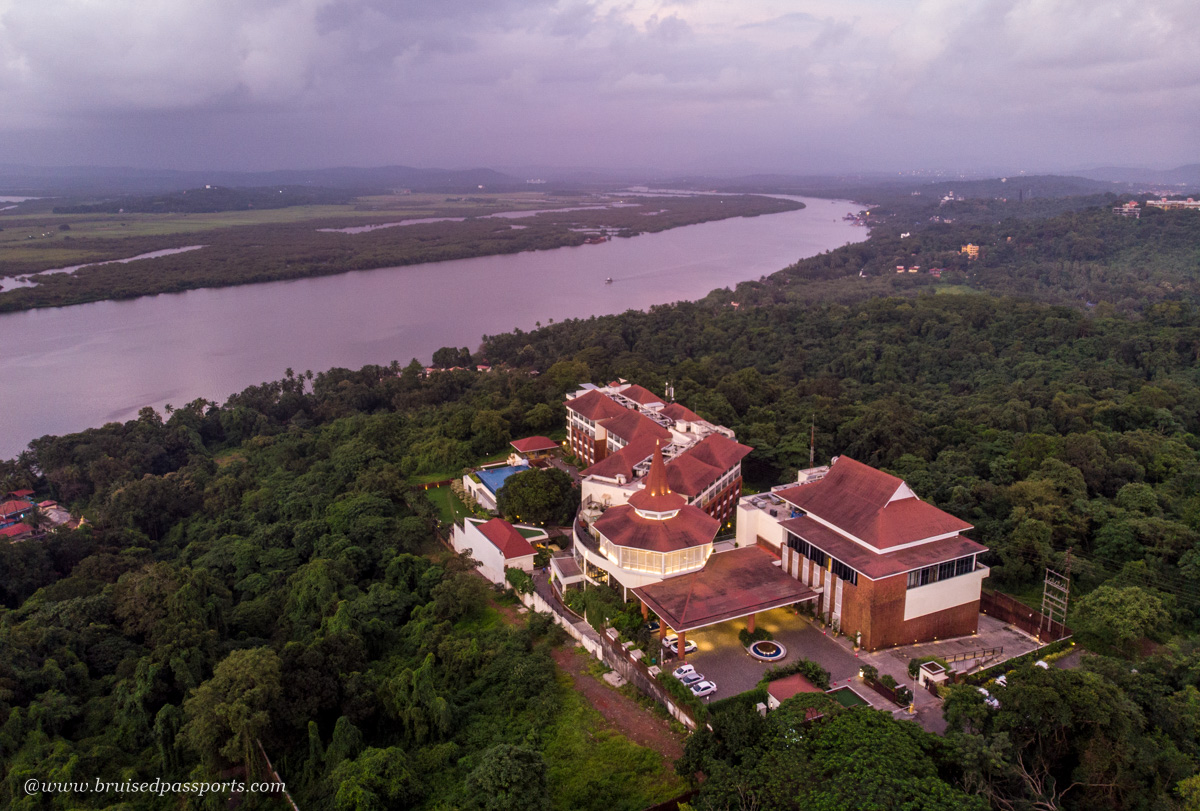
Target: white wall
596,489
753,522
939,596
468,538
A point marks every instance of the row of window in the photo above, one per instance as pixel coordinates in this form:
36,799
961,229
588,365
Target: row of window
942,571
818,557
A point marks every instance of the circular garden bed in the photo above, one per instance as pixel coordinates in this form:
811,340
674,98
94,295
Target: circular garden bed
766,650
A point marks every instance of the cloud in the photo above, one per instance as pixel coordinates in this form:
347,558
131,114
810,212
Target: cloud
286,82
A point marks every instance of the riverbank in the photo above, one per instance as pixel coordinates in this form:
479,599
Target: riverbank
300,247
89,364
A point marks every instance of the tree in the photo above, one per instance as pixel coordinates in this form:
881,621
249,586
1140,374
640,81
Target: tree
538,496
377,780
509,778
1116,618
449,356
228,713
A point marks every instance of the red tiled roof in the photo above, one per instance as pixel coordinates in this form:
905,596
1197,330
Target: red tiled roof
14,507
21,493
692,471
720,451
855,498
679,412
788,686
534,443
15,530
731,585
596,405
691,526
630,425
876,566
657,495
640,395
622,462
504,536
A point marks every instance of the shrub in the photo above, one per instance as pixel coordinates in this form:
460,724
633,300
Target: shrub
747,639
809,669
519,579
870,672
887,681
683,696
903,695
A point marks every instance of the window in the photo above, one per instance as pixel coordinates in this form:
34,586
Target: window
844,572
807,550
942,571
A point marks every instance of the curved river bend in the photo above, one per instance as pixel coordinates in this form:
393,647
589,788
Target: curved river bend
70,368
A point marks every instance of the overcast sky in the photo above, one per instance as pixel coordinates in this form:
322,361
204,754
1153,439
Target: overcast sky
828,85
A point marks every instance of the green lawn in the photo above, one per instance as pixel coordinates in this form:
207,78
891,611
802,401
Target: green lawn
450,507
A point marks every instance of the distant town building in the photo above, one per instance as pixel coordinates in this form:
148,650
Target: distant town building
1130,209
1169,205
971,250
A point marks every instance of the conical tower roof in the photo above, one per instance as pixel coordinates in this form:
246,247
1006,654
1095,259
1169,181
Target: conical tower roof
657,497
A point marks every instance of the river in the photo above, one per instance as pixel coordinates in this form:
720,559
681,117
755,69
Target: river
70,368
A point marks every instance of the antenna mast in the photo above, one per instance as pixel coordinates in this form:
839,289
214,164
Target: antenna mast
812,443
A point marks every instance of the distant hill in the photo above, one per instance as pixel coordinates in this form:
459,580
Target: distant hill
1180,176
213,198
80,180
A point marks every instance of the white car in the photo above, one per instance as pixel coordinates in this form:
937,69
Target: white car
691,678
671,643
703,688
683,670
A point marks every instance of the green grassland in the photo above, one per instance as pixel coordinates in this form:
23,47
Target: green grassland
246,247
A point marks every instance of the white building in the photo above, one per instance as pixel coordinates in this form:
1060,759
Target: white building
497,545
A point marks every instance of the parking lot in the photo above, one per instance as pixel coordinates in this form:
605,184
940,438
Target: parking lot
721,658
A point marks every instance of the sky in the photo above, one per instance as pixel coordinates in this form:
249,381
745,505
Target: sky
676,85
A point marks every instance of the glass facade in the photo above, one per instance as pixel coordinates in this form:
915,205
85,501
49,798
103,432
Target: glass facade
642,560
941,571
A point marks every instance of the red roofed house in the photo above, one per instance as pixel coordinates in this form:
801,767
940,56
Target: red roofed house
13,511
615,429
532,450
497,545
889,566
16,532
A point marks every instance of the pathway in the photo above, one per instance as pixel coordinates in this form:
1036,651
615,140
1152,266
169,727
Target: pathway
621,712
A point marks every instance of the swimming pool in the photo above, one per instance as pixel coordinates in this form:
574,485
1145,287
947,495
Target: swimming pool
493,477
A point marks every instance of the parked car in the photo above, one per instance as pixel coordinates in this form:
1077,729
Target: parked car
691,678
671,643
683,670
653,626
703,688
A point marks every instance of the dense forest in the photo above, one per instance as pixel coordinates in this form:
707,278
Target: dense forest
263,570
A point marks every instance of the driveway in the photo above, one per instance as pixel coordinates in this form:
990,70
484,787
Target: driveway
722,659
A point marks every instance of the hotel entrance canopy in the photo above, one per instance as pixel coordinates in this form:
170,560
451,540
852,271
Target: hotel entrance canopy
731,585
